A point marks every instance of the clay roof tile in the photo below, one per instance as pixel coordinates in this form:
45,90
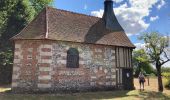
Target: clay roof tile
64,25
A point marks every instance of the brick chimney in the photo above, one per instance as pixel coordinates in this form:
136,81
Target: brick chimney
109,17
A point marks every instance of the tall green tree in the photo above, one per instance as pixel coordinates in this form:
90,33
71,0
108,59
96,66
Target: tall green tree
157,47
14,16
141,62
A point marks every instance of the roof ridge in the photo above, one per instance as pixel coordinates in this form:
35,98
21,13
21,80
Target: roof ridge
73,12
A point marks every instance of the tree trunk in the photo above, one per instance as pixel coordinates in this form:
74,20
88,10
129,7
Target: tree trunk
160,86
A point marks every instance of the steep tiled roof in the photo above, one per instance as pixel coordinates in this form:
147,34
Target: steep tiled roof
63,25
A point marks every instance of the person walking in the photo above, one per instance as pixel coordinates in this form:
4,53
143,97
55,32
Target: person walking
141,78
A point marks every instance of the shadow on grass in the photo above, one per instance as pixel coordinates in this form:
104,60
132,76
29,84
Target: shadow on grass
122,95
105,95
73,96
146,95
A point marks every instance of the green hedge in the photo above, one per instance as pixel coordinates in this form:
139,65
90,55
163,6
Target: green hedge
166,75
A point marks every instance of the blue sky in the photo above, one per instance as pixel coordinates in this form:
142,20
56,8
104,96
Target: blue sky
135,16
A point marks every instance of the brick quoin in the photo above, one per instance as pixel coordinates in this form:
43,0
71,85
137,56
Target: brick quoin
44,81
15,80
46,49
15,72
16,57
44,65
46,57
17,49
41,73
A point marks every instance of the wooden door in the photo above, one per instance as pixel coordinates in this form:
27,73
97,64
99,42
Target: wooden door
127,78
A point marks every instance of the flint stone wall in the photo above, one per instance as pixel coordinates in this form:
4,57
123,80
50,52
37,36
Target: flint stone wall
40,65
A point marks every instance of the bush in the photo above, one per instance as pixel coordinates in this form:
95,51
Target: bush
152,75
166,75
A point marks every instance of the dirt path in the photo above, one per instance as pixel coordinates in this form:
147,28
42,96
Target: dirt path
152,87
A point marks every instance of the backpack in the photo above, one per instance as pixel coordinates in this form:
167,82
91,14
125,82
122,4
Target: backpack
142,78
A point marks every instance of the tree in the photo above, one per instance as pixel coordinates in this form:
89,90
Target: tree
14,16
157,50
141,62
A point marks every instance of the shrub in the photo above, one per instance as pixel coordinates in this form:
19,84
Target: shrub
166,75
152,75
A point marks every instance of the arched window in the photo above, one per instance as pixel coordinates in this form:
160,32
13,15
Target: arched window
72,58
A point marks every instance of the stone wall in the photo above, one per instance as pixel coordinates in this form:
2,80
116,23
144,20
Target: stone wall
41,66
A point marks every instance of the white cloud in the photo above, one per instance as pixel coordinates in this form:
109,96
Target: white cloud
123,5
85,7
162,3
129,35
117,1
132,18
143,4
154,18
140,46
98,13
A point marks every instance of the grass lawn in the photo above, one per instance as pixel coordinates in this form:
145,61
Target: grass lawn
150,93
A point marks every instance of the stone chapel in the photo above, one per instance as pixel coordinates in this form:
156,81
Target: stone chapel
66,51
